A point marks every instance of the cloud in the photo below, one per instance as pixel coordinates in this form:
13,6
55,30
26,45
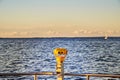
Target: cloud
76,32
24,33
15,34
8,33
51,33
82,31
112,32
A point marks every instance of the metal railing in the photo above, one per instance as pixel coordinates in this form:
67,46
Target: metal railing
65,74
35,74
94,75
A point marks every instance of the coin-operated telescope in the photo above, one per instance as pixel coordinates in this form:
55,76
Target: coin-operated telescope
60,54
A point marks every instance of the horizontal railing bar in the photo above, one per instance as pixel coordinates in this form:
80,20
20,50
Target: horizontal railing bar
94,75
65,74
32,73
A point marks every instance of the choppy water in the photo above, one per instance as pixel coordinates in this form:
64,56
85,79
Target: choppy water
85,55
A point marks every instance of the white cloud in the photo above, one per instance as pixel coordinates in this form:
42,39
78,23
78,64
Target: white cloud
8,33
76,32
82,31
15,34
51,33
112,33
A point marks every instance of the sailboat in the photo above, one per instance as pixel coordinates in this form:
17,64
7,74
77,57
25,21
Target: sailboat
106,37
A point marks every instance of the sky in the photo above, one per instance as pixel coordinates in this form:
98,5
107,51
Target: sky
59,18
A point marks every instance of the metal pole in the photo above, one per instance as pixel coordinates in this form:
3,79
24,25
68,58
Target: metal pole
35,77
60,71
88,77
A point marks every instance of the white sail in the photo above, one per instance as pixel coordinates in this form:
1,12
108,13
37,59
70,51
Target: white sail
106,37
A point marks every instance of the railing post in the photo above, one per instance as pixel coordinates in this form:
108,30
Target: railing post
87,77
35,77
60,71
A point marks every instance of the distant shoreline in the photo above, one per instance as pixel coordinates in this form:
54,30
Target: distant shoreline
59,37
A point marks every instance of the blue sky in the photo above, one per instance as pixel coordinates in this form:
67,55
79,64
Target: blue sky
59,18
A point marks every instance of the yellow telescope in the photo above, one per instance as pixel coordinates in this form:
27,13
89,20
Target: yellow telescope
60,54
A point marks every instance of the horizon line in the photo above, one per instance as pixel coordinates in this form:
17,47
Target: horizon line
64,37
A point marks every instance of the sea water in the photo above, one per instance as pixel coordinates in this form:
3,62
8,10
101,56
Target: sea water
85,55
